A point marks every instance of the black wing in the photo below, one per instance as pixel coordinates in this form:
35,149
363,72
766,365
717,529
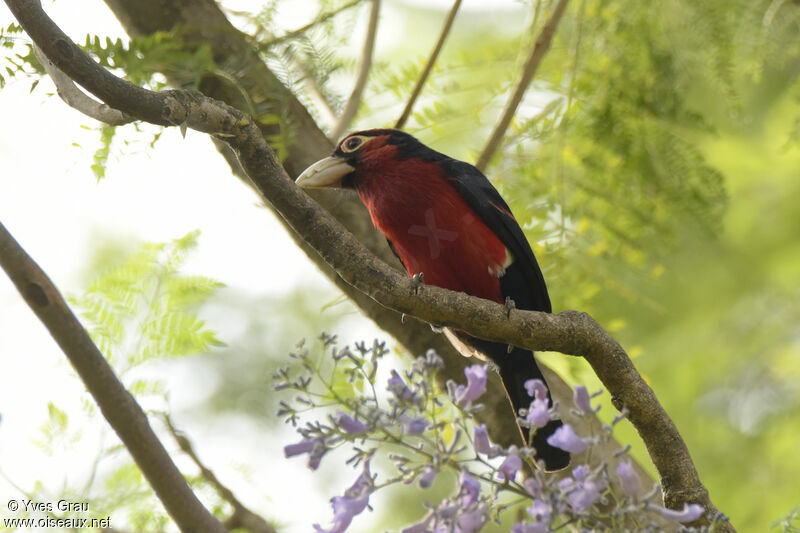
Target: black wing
523,281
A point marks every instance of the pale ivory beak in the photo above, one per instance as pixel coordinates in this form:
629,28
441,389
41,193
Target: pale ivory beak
326,172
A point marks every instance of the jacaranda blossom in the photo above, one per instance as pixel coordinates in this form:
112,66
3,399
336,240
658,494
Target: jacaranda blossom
481,440
566,439
509,468
541,510
533,487
398,387
315,448
582,399
472,521
538,413
414,426
427,477
470,488
482,443
475,387
628,478
354,501
349,424
584,494
536,388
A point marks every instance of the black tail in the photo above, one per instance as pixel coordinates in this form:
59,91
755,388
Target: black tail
516,368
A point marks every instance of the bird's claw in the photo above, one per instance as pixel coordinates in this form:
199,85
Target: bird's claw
418,280
510,306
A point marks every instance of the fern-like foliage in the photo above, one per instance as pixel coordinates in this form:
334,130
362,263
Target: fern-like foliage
145,308
148,60
16,57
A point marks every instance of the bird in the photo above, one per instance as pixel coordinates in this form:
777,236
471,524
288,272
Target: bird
447,224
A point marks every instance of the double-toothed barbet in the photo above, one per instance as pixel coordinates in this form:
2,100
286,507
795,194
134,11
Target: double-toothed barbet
444,219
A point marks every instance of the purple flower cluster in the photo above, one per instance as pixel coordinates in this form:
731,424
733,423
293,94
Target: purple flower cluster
465,512
583,489
435,438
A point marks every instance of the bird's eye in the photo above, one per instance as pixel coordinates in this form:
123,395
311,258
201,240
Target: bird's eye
352,144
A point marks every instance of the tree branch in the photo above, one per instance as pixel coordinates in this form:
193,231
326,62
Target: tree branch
568,332
242,517
448,24
351,108
303,29
529,70
77,99
117,405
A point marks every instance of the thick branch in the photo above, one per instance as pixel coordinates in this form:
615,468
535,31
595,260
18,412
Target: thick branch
529,70
569,332
448,24
117,405
351,108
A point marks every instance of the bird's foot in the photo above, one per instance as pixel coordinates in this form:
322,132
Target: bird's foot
417,280
510,306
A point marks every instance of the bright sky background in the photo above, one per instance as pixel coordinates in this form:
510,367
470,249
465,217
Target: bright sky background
52,203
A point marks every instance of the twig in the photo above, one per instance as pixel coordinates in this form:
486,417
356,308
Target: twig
448,23
77,99
315,92
568,332
117,405
319,20
351,108
242,517
529,70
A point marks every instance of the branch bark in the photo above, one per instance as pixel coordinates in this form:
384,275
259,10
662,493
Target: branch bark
117,405
529,70
448,24
351,108
569,332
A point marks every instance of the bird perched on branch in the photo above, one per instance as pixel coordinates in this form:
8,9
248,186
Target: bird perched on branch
445,220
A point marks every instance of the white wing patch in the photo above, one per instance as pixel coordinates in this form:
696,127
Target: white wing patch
499,271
